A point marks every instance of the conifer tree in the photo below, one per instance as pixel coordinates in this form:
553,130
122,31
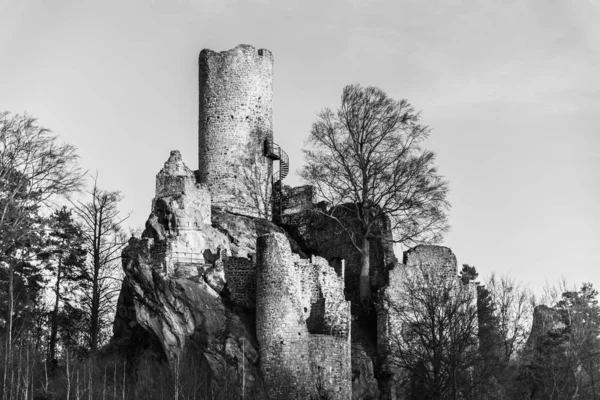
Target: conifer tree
64,256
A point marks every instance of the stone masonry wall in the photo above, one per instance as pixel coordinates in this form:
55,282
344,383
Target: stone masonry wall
422,259
387,326
297,199
240,274
320,235
287,290
331,364
438,258
335,318
235,119
280,320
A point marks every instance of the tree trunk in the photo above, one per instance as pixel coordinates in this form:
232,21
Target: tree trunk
365,268
8,355
95,315
592,378
95,300
54,328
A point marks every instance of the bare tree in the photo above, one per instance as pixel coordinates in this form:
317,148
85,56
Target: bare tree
35,167
433,334
366,160
512,309
257,183
104,239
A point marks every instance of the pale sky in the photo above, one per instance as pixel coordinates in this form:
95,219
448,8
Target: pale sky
510,89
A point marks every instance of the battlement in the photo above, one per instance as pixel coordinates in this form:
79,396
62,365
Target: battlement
247,49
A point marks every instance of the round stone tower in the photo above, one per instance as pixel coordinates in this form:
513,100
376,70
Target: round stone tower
236,128
280,323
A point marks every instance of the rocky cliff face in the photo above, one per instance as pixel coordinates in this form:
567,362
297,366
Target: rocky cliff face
183,312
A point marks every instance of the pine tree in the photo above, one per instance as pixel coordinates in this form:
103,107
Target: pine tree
63,257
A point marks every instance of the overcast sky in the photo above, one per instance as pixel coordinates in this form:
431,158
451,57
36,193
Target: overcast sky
511,92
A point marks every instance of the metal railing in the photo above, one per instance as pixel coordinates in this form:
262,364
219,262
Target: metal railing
187,256
274,152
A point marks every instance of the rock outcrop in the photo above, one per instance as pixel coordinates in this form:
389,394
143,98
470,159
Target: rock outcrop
545,320
180,310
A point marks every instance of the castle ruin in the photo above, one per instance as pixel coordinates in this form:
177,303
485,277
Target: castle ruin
211,232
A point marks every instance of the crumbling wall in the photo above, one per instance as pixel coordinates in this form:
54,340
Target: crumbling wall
388,326
240,274
287,289
335,317
235,120
281,312
331,364
297,199
422,259
320,235
437,258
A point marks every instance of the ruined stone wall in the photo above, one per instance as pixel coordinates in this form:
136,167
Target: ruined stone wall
280,320
297,199
319,235
335,317
421,259
240,274
331,364
424,262
437,258
158,251
387,325
287,290
235,119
